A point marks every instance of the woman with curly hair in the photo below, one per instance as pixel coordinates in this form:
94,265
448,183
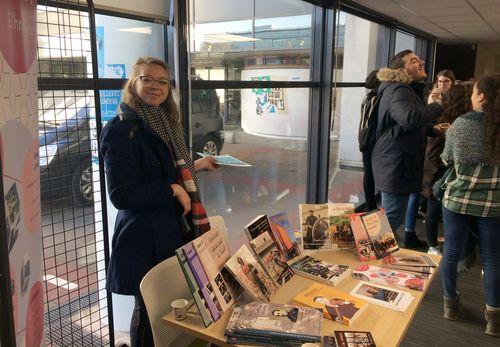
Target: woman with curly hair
472,196
456,102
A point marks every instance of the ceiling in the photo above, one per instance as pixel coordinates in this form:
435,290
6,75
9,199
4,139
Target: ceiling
451,21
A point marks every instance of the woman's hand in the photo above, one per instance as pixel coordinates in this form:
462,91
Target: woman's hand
182,196
207,163
440,128
435,96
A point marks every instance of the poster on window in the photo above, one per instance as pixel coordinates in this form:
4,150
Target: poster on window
19,153
269,101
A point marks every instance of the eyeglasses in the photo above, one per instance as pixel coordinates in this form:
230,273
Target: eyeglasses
150,81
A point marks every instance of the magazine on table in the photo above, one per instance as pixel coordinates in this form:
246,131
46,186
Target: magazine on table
380,233
319,270
375,274
275,322
336,305
409,263
251,275
226,159
384,296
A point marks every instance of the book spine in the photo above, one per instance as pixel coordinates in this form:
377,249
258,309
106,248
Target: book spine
201,278
274,334
195,265
193,287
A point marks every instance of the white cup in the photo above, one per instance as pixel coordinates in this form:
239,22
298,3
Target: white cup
180,308
309,344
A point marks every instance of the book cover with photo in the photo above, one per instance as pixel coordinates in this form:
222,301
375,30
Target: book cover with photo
213,251
315,226
280,322
199,300
336,305
12,215
354,339
319,270
271,258
383,296
390,277
250,274
363,243
380,233
340,228
285,235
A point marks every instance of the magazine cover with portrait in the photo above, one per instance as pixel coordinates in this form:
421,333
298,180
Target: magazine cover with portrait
250,274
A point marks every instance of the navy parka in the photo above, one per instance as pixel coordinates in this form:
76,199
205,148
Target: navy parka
139,171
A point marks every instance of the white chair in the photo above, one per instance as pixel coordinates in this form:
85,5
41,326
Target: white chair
163,284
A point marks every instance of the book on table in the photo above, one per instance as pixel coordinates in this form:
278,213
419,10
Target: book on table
326,226
390,277
336,305
264,244
285,235
378,294
362,241
319,270
202,262
250,274
421,264
380,233
274,324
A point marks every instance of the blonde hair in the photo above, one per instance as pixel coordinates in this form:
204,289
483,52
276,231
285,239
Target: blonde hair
130,97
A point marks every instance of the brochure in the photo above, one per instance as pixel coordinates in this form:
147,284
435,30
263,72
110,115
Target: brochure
226,159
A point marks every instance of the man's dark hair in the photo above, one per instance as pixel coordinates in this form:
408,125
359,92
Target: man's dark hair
372,81
397,61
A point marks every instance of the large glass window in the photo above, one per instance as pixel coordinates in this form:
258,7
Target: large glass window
235,36
270,133
360,47
404,41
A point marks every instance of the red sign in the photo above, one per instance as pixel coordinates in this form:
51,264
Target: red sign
18,28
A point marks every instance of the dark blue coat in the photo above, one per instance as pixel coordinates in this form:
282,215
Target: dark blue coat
403,124
139,171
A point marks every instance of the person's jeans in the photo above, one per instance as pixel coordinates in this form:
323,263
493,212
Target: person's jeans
140,329
455,232
432,220
369,182
411,211
395,205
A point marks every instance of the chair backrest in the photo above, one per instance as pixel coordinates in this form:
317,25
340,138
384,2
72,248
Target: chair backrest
160,286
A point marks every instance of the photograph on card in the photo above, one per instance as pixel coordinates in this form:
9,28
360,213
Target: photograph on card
315,226
341,232
380,233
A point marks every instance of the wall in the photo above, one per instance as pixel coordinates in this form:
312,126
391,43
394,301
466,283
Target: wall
487,59
20,167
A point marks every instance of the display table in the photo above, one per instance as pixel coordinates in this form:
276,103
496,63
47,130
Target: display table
387,326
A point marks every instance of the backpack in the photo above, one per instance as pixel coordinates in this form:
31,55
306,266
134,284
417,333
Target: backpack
368,123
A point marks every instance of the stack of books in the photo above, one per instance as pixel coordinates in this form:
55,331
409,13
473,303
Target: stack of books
419,264
319,270
264,324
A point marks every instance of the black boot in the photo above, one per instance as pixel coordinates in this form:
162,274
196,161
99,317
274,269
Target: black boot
413,242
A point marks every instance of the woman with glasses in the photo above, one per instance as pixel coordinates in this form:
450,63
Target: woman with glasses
152,181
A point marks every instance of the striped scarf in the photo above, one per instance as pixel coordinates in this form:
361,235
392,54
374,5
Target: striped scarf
157,118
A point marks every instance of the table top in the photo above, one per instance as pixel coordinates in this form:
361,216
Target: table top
387,326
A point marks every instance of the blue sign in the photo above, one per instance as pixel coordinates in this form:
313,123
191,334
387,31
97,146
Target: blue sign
110,100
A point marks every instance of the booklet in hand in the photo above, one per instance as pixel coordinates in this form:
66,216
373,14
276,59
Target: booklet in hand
226,159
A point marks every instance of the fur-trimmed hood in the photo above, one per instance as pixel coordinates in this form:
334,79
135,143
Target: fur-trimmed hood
393,75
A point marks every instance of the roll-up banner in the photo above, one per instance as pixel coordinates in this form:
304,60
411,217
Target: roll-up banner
19,153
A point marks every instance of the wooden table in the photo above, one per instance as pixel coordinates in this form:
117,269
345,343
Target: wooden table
387,326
